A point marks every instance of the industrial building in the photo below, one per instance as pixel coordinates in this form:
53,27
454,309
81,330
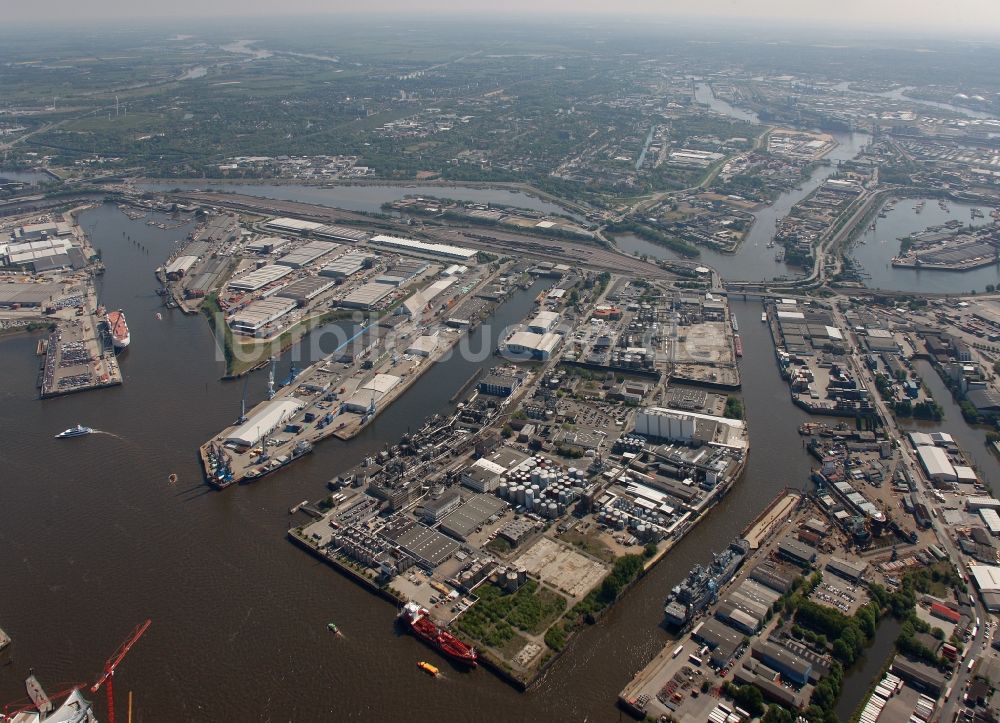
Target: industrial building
371,393
991,519
292,225
433,510
672,425
796,552
28,253
483,475
259,314
263,421
267,244
259,278
920,676
936,464
428,547
37,231
471,516
305,255
987,579
179,267
27,295
361,344
367,297
537,346
544,322
415,305
791,666
305,290
851,571
347,265
424,345
974,504
402,272
421,247
723,641
499,385
341,233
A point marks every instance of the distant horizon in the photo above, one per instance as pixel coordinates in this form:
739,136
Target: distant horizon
979,19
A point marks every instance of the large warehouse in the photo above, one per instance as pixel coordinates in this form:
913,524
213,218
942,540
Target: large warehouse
422,247
347,265
307,253
538,346
264,421
936,463
306,289
293,225
259,278
259,314
371,393
367,296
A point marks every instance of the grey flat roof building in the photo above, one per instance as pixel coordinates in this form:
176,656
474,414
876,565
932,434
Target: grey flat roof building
467,519
306,289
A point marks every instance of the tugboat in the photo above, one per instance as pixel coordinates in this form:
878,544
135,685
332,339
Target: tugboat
77,431
431,670
420,623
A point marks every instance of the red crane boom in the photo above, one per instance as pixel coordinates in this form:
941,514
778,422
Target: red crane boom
107,676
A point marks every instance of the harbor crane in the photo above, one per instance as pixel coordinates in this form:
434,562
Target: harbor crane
107,676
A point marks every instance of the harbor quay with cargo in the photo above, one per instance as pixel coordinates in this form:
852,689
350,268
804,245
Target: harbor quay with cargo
528,512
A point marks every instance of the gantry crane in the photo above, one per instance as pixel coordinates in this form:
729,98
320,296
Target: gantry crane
107,676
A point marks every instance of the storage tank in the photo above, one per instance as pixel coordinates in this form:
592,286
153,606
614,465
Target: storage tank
529,500
503,490
553,509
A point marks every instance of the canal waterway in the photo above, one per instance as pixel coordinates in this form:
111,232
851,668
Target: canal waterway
877,246
753,260
95,538
971,439
862,674
363,198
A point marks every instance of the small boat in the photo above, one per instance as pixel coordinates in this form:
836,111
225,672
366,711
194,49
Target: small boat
172,479
428,668
159,316
332,627
77,431
763,317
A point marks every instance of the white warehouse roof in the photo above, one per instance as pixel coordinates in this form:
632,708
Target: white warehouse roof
264,421
260,278
406,244
936,463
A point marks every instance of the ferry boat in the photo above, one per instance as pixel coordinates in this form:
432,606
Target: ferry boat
77,431
120,336
738,343
420,624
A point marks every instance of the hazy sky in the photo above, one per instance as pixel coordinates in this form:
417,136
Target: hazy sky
975,16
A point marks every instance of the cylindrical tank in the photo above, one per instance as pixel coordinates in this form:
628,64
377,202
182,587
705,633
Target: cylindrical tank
503,490
553,510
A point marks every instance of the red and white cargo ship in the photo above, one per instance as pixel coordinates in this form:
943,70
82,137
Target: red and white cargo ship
420,623
119,330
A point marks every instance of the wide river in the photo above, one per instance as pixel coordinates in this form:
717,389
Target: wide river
95,539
